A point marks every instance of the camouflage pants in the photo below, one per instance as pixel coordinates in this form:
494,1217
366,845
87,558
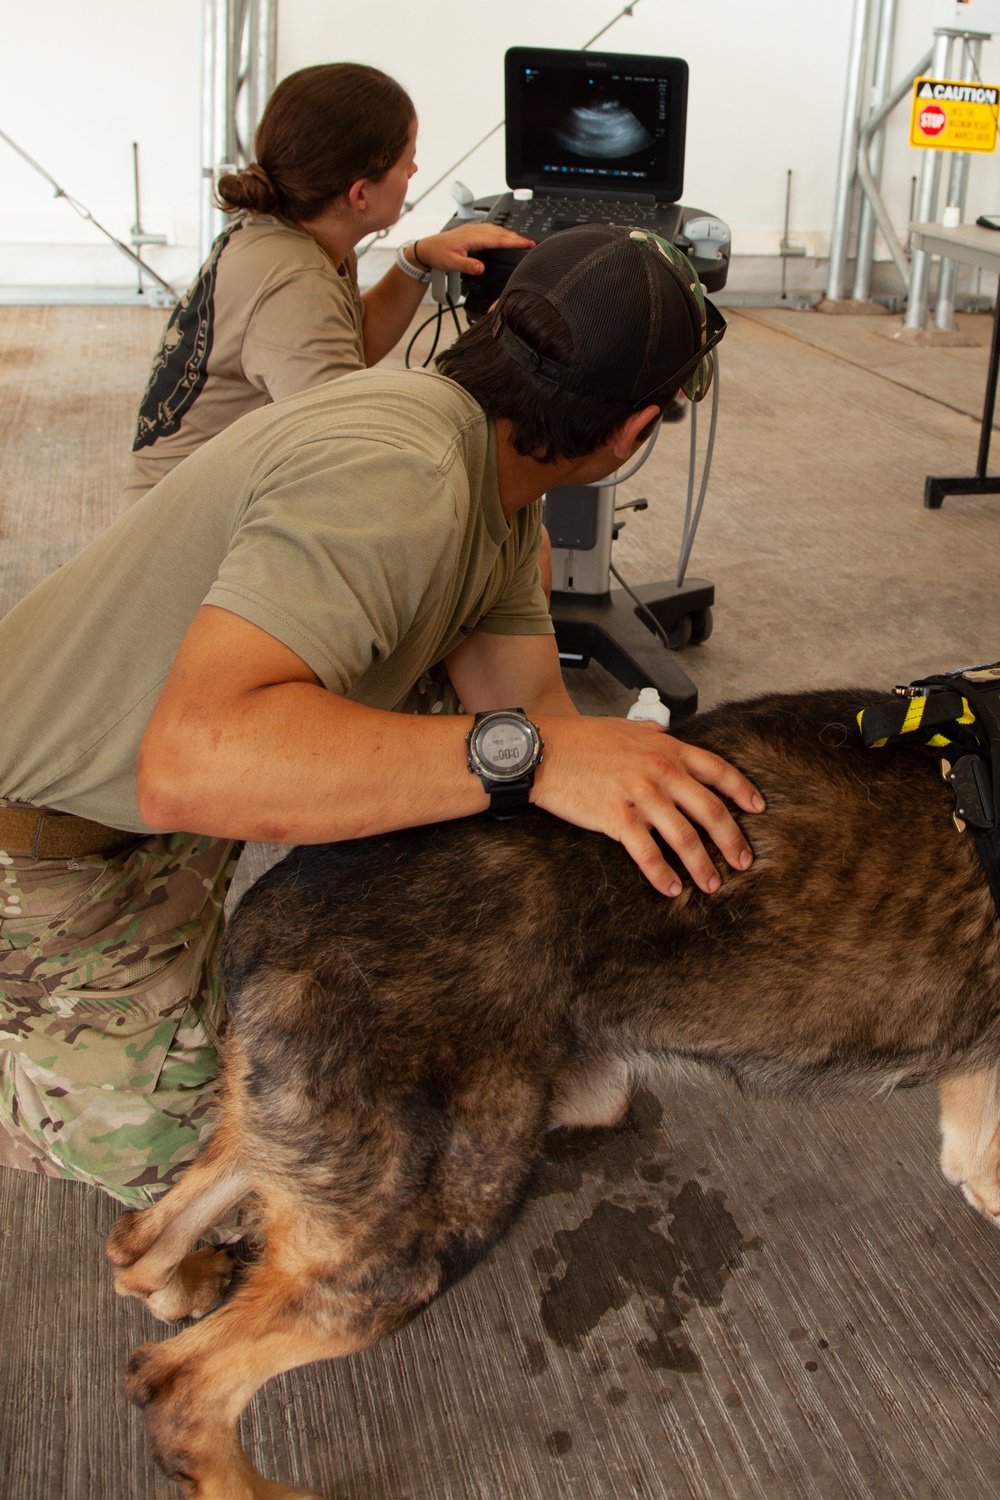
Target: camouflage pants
432,693
110,1011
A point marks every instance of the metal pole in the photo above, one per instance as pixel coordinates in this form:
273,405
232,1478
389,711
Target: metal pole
868,185
137,226
958,182
238,72
236,18
880,85
848,153
267,52
784,238
210,41
927,194
84,213
245,110
254,102
258,51
216,114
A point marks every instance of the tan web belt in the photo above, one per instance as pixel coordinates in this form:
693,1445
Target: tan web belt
42,834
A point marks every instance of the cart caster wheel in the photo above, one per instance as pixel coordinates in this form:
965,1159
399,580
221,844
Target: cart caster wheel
680,632
701,625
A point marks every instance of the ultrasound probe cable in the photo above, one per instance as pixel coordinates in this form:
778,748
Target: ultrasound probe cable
692,517
692,512
437,315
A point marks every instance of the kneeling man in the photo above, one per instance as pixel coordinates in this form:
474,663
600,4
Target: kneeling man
224,663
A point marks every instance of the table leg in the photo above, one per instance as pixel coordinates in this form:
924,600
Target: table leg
991,396
978,484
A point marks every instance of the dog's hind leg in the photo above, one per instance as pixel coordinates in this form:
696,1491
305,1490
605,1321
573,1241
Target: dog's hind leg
152,1247
970,1138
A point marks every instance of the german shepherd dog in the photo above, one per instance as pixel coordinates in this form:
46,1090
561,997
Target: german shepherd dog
410,1012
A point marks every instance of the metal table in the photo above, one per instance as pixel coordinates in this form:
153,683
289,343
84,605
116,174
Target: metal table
978,247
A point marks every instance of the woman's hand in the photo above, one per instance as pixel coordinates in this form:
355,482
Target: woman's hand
450,250
391,302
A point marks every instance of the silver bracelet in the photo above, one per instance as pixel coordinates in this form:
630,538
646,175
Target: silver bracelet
414,272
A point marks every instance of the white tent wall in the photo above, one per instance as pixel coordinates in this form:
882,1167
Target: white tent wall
81,82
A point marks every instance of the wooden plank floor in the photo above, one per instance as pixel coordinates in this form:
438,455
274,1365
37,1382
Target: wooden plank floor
726,1298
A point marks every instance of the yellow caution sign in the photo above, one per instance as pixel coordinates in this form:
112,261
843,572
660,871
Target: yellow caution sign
949,115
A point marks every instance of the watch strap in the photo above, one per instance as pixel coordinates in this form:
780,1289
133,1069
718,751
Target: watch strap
414,273
508,798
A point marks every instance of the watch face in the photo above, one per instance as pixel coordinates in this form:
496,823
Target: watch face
505,747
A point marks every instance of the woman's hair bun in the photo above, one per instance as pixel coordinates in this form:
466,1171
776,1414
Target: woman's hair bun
249,189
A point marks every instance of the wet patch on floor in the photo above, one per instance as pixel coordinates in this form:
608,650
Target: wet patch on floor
616,1253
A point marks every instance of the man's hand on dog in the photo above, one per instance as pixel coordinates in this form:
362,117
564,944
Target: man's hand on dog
246,743
624,779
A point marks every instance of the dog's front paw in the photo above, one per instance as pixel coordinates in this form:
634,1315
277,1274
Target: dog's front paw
985,1198
130,1237
257,1488
192,1444
192,1288
159,1383
974,1172
275,1491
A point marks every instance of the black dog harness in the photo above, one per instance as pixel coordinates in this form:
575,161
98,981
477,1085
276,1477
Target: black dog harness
956,712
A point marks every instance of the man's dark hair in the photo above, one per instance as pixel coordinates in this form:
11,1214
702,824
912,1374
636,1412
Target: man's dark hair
547,423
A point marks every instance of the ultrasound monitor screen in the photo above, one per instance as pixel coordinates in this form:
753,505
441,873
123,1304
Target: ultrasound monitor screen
609,122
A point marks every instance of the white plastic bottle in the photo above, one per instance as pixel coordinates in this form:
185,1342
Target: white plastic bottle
649,706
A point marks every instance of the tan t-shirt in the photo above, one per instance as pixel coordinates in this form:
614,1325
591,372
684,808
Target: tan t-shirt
268,315
359,524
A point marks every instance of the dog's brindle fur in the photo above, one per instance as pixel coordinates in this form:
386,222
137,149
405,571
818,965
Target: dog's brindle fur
410,1011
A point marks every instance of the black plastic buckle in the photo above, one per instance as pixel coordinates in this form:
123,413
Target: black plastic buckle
969,779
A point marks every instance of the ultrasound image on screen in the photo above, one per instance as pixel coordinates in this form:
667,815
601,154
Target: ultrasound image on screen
592,128
604,129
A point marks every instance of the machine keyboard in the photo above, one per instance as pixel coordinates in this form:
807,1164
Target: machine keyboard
536,218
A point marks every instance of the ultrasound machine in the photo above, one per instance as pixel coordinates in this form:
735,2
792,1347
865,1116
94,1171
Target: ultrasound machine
598,137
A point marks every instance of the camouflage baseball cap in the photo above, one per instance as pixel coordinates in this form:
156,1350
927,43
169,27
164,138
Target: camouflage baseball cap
639,320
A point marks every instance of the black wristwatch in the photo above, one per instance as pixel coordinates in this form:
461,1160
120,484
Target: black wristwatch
504,747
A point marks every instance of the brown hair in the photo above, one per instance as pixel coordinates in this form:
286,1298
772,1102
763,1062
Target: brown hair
546,422
323,128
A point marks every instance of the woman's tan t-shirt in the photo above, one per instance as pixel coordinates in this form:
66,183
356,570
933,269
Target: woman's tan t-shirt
268,315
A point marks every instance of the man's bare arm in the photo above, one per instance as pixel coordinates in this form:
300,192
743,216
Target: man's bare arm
509,671
246,743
